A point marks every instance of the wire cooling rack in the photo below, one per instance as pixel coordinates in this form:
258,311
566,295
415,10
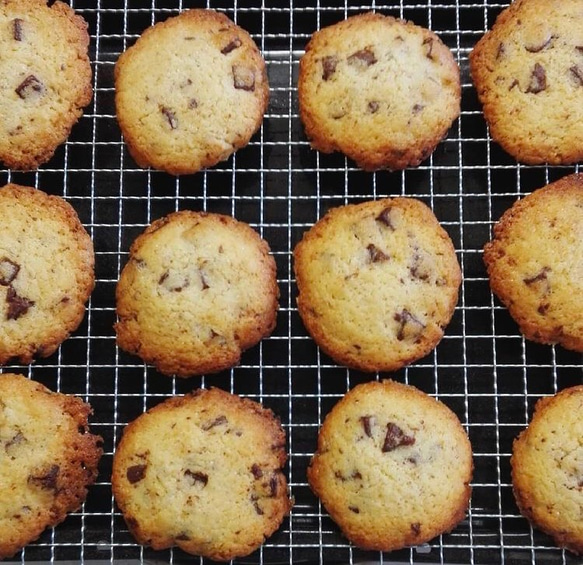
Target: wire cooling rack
483,369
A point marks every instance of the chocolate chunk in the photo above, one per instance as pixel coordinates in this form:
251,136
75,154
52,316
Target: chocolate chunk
540,46
17,439
243,78
8,271
197,477
540,281
577,72
416,528
256,471
500,51
329,66
363,58
354,509
538,79
513,84
396,437
385,218
373,106
17,305
273,485
170,117
376,255
256,506
231,46
30,86
367,423
417,108
419,267
428,42
579,48
409,326
17,29
48,480
136,473
220,420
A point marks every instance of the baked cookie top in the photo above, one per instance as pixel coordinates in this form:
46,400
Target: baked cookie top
45,79
48,460
534,263
203,472
190,92
528,72
393,466
382,91
46,272
547,468
377,282
197,291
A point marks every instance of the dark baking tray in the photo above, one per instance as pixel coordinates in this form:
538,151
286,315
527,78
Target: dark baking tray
483,369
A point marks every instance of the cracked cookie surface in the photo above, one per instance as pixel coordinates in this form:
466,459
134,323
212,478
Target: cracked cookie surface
203,472
198,290
45,79
46,272
377,282
48,459
547,468
382,91
393,466
190,92
528,72
534,263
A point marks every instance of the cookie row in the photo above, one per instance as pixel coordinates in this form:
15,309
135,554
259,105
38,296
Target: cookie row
203,471
377,282
193,89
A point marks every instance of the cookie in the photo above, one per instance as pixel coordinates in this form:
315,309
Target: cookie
48,461
533,263
547,468
528,72
45,79
380,90
393,466
203,472
190,92
197,291
377,282
46,272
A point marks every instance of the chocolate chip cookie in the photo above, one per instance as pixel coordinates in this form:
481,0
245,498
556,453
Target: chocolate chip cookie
48,459
203,472
46,272
197,291
382,91
393,466
45,79
547,468
378,282
190,92
528,72
534,263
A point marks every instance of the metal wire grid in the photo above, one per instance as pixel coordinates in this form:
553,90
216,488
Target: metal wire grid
483,369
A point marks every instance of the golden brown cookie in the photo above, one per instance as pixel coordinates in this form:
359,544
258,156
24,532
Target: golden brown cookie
190,92
48,459
381,90
46,272
547,468
203,472
534,259
528,72
45,79
197,291
393,466
378,283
